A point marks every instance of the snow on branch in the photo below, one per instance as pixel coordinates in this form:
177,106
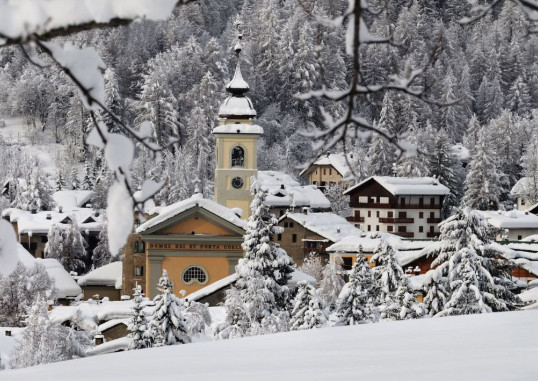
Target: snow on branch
529,8
21,19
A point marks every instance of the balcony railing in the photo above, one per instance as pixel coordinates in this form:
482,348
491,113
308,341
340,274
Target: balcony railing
376,205
404,234
433,220
355,219
391,220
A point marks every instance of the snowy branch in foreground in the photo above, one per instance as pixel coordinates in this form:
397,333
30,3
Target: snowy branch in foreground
21,19
351,124
529,8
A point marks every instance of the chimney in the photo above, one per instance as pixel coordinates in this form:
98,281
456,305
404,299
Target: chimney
97,213
49,216
8,333
99,339
338,230
34,210
305,210
60,209
281,186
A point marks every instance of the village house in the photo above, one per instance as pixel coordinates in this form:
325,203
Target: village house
521,191
406,207
329,169
32,227
513,225
103,282
309,232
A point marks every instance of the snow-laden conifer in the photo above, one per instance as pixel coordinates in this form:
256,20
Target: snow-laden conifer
101,254
332,282
167,323
435,288
74,248
473,264
313,265
54,248
356,302
138,325
388,270
308,311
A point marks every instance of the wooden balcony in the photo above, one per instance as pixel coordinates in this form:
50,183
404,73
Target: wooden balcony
397,220
432,235
355,219
433,220
404,234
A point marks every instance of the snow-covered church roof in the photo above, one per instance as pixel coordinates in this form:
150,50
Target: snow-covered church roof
406,186
328,225
197,200
285,191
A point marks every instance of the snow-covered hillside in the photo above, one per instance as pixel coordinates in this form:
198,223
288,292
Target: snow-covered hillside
500,346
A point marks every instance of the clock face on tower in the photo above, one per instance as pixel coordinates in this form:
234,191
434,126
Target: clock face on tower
237,182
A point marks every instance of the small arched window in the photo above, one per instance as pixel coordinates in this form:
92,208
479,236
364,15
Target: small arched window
195,274
238,156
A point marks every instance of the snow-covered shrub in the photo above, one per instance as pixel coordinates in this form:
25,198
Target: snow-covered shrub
308,311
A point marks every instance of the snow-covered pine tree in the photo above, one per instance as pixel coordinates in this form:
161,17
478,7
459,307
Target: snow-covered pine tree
60,180
313,265
14,297
435,288
74,181
388,270
529,162
472,262
412,164
74,248
167,323
356,302
138,325
332,282
308,311
54,247
113,100
88,183
197,317
339,201
406,300
381,157
101,254
482,185
259,300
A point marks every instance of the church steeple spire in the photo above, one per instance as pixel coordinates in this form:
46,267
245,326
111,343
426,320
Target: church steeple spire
237,106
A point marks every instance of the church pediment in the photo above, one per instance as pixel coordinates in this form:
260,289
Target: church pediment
196,221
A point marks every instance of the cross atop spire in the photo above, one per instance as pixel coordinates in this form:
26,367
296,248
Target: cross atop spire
238,86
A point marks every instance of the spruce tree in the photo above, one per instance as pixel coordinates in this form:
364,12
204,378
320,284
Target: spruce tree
472,263
482,185
138,325
388,270
54,247
307,312
356,302
435,288
332,282
167,324
74,248
101,254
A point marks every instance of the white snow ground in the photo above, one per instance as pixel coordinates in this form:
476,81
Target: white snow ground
498,346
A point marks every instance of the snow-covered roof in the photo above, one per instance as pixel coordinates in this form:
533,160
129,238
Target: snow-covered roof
65,284
336,160
13,252
296,277
238,129
407,251
72,199
513,219
461,152
328,225
237,84
40,223
107,275
121,344
112,323
285,191
521,187
197,200
407,186
240,106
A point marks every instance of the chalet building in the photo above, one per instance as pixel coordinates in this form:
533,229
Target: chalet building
104,282
406,207
513,225
32,227
521,192
328,170
286,194
309,232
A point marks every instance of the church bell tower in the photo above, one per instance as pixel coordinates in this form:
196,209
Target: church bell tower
236,139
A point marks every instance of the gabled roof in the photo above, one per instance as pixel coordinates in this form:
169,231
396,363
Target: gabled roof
521,187
336,160
71,199
406,186
513,219
197,200
108,275
285,191
328,225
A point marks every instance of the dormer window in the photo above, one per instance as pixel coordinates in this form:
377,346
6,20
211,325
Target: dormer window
66,220
88,220
238,156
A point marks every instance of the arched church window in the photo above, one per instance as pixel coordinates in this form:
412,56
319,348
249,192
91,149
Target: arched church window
238,156
194,274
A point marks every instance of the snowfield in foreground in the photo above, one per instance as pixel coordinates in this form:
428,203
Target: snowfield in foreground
499,346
